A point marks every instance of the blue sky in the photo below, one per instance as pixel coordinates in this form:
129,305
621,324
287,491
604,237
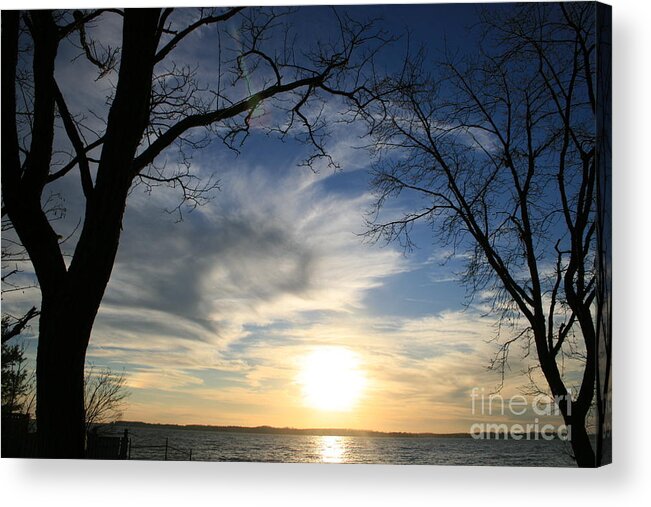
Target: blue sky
212,317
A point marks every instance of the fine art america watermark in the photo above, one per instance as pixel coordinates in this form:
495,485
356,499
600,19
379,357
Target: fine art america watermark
488,406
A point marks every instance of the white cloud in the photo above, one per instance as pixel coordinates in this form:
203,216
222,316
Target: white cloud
266,250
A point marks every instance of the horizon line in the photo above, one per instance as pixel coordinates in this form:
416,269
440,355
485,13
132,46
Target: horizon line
291,428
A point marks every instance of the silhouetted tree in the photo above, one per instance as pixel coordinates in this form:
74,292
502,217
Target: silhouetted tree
16,378
104,395
155,104
500,152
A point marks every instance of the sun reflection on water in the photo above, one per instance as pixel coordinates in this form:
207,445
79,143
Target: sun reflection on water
332,449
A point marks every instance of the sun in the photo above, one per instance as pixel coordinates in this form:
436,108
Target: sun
331,379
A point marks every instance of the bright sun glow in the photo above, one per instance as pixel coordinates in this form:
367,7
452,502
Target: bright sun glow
331,379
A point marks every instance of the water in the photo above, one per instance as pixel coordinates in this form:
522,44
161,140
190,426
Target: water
209,445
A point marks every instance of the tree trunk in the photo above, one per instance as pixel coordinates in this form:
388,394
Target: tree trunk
60,403
573,413
581,445
60,381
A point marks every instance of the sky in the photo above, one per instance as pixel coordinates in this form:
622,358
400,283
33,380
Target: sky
267,305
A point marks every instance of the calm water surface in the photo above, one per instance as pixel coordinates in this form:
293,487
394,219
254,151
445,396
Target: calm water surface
226,446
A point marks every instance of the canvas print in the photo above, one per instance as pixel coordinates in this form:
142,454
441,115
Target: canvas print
326,234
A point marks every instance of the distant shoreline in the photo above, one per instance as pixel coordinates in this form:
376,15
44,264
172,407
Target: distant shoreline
271,430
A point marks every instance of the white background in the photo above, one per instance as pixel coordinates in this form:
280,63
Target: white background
628,480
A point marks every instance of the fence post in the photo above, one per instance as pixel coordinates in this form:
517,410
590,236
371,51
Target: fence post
190,455
124,444
166,441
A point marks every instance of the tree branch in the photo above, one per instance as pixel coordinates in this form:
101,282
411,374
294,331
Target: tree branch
77,144
167,48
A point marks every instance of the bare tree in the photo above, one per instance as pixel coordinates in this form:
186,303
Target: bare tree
155,104
500,152
104,395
